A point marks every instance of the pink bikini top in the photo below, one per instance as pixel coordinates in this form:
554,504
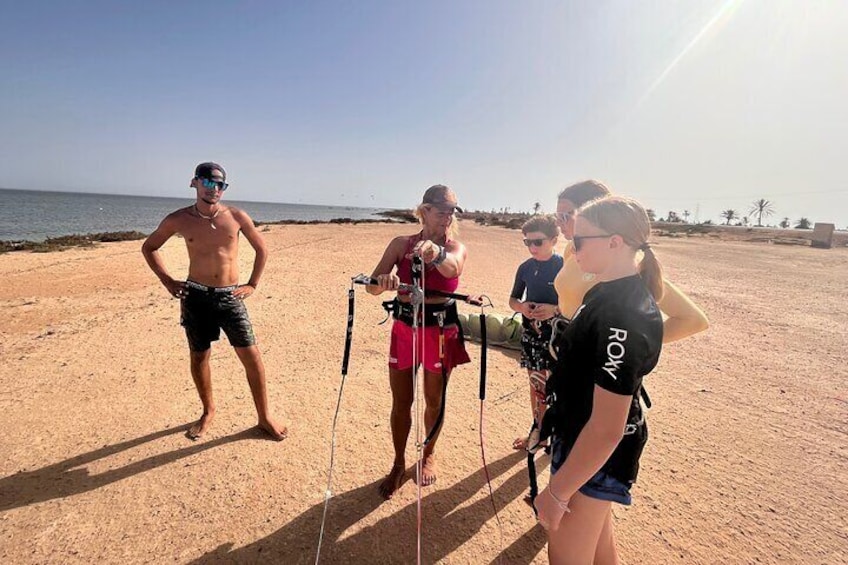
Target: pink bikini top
433,279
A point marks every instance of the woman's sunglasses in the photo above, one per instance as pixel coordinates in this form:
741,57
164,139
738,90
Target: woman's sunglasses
534,242
210,184
578,239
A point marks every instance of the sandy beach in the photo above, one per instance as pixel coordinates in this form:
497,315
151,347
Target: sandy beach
747,461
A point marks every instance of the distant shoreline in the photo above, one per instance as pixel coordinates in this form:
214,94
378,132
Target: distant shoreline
508,221
63,242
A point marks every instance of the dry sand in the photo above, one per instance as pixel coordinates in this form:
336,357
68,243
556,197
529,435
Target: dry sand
746,462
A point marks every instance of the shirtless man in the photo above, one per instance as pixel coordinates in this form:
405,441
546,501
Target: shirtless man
211,299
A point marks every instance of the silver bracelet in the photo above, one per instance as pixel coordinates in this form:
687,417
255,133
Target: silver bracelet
443,254
563,504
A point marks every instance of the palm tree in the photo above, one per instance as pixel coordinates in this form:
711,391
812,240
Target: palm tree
785,223
537,207
803,224
761,207
729,215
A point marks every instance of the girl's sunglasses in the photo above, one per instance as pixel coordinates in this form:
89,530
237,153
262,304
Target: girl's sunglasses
578,239
534,242
210,184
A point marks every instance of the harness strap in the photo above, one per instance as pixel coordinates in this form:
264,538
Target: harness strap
645,398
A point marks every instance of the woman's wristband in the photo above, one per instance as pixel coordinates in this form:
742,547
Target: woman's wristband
563,504
440,258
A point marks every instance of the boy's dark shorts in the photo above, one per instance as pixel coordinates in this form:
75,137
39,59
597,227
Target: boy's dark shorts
204,313
535,342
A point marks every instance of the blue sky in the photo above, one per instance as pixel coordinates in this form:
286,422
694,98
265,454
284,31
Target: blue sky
700,105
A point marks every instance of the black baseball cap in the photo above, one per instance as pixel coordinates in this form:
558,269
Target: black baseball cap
211,171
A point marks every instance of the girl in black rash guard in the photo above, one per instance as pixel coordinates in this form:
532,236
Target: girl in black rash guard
613,341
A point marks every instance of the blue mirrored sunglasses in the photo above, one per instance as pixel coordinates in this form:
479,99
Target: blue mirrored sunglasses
210,184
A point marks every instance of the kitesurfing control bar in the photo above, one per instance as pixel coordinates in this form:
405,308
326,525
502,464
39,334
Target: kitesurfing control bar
473,300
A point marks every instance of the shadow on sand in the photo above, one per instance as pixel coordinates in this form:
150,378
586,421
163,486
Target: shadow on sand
447,524
70,477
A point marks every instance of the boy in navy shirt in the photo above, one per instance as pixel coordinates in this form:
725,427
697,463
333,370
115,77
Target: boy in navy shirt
534,297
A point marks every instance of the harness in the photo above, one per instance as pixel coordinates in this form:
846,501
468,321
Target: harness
445,313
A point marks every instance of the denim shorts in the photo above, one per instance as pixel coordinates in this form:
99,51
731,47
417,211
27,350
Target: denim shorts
204,313
601,487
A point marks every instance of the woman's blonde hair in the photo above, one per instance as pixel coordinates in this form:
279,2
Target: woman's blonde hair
627,218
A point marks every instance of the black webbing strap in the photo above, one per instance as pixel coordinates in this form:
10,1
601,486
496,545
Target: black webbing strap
531,471
349,333
483,350
482,357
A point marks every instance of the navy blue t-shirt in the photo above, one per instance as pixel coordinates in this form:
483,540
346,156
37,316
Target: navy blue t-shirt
536,279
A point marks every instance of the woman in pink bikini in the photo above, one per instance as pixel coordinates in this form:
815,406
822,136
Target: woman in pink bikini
443,258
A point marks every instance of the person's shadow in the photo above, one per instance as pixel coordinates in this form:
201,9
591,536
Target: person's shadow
70,477
446,524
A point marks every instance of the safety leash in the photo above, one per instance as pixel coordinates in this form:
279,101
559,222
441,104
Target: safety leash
441,417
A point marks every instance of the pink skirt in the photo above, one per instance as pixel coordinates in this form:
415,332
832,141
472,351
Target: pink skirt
400,349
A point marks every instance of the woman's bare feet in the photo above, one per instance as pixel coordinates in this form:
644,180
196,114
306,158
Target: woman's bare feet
428,470
393,480
276,430
196,431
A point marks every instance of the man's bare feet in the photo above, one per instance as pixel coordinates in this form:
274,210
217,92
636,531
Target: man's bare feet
428,470
393,481
196,431
276,430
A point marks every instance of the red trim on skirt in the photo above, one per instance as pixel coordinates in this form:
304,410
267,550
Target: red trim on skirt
400,348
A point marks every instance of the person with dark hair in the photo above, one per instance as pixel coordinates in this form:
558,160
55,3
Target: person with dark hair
613,341
443,259
211,298
534,297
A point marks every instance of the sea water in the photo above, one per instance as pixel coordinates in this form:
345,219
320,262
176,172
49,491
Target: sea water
36,215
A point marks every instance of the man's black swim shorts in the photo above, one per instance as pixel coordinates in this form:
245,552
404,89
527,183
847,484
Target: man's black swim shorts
205,311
